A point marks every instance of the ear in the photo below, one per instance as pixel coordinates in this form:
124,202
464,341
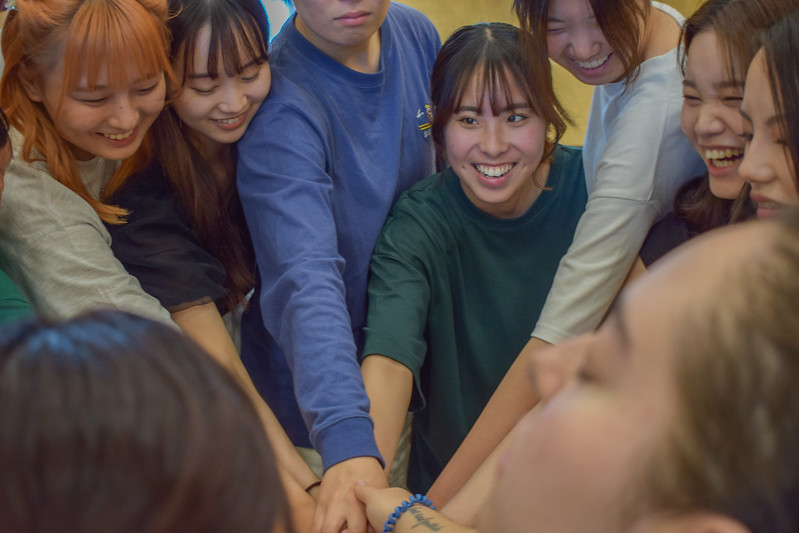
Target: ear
31,83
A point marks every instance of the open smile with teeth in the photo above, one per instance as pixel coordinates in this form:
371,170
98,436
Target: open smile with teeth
723,158
118,136
227,120
494,171
590,65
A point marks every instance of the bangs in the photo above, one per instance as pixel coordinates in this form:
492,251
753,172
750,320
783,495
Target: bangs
237,39
114,36
494,78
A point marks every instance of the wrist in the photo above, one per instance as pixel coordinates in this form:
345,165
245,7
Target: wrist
416,499
313,487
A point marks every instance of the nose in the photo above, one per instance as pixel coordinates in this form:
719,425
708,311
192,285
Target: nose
233,99
493,137
553,368
755,169
585,44
708,122
124,114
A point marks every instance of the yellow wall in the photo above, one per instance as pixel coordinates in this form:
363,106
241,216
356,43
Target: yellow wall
448,15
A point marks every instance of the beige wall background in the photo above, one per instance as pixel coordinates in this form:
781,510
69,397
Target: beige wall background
449,15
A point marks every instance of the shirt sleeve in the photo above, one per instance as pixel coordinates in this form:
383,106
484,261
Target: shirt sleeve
57,250
158,246
286,197
617,217
399,294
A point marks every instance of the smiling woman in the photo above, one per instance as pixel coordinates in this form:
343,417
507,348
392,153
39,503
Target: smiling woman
770,116
634,430
185,238
83,82
466,257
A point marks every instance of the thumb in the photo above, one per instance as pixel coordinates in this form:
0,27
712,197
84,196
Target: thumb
363,491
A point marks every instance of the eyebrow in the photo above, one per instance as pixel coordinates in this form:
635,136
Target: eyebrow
511,107
206,75
773,120
83,89
726,84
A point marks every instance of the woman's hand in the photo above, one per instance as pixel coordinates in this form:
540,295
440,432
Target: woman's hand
380,502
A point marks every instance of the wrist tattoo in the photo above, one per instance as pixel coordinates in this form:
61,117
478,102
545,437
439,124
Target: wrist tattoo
422,520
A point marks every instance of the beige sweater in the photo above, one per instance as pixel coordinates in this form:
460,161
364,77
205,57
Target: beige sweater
54,246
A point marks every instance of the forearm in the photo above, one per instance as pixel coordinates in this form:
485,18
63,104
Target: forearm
420,518
205,326
513,398
467,503
590,275
301,506
389,385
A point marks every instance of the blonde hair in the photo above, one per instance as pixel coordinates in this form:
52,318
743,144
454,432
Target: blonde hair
733,447
87,35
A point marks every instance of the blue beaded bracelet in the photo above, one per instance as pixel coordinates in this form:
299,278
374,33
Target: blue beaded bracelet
407,504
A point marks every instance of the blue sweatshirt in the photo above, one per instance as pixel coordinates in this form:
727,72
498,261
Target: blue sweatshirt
319,168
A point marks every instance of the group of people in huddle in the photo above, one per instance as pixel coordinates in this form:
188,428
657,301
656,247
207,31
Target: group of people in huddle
231,269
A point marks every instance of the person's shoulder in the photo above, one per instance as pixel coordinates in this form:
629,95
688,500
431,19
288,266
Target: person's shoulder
412,24
567,160
666,234
150,181
402,13
423,192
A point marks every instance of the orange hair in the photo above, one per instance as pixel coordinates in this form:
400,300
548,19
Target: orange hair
86,35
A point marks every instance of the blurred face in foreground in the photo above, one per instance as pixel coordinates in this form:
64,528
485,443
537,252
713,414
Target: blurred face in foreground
608,400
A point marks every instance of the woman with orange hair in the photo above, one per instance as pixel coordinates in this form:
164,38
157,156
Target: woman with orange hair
83,82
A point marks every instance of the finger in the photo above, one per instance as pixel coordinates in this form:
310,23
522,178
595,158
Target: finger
356,519
363,492
318,519
335,518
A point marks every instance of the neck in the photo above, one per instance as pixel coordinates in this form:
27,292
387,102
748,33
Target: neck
661,34
220,157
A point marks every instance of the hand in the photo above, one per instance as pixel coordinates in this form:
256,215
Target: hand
337,504
380,503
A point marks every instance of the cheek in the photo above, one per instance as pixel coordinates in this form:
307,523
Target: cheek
154,102
457,145
568,467
555,45
190,107
688,118
260,91
533,142
788,179
732,120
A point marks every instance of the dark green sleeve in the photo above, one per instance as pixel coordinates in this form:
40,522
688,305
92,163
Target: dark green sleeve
13,305
399,292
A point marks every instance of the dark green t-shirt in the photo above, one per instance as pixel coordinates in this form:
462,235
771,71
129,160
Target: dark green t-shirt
454,294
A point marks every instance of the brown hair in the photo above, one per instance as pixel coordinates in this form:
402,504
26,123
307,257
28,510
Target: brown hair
737,24
780,44
619,20
112,422
492,51
732,449
95,34
211,201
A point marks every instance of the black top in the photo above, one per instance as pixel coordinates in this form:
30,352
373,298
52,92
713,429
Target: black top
667,233
158,246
